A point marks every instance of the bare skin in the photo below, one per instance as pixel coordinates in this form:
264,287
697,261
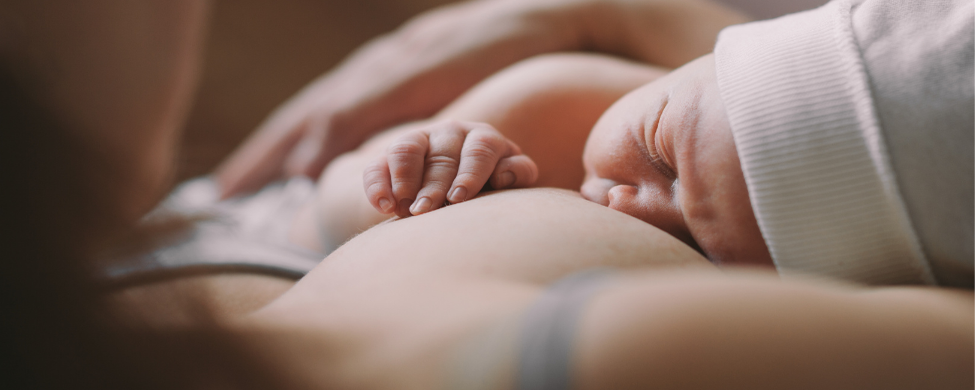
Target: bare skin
664,153
401,314
191,300
391,308
404,299
444,161
546,105
542,96
419,69
119,75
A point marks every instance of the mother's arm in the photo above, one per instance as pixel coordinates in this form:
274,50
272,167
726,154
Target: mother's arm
546,104
745,331
418,69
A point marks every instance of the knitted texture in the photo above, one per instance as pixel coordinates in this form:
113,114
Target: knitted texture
813,155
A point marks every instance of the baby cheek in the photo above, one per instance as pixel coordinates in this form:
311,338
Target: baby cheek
595,189
652,206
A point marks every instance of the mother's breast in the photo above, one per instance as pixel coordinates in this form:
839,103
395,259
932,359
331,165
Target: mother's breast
528,235
400,297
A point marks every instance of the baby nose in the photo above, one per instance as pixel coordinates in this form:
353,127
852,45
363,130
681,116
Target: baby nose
622,198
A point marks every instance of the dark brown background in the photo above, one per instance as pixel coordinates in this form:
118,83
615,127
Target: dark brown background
260,52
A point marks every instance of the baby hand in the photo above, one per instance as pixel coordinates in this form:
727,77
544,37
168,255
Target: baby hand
414,175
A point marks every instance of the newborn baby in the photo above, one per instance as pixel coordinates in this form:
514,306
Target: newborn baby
664,153
835,142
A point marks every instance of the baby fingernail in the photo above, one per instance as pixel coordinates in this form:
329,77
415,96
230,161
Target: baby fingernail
421,206
506,179
385,205
458,195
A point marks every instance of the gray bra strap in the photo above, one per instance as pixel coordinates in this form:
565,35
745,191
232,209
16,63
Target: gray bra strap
549,330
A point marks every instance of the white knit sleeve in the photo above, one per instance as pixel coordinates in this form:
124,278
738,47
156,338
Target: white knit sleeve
813,155
920,61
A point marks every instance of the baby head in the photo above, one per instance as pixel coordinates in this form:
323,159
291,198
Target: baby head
665,154
847,162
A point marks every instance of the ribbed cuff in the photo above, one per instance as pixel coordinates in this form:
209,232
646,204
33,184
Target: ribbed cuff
812,151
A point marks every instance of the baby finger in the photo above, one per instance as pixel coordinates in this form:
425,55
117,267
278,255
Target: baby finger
376,183
442,163
482,150
514,172
406,157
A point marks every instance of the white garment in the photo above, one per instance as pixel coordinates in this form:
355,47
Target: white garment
243,234
764,9
854,126
919,58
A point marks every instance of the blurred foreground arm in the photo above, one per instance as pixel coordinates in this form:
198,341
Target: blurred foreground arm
758,332
418,69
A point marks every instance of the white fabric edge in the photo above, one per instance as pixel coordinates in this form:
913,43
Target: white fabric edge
812,152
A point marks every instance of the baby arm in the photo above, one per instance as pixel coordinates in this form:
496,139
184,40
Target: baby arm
450,161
